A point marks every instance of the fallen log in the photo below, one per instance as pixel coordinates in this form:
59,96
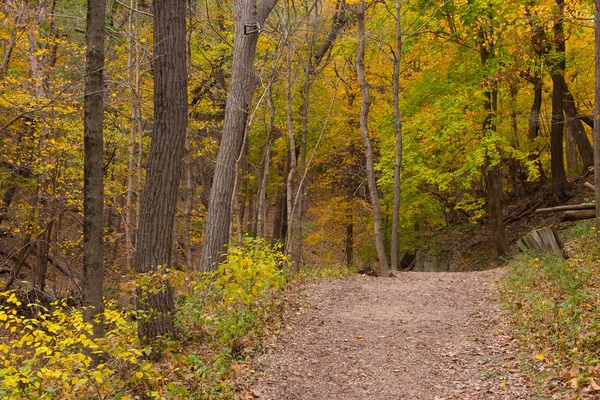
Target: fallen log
576,215
589,186
545,239
568,207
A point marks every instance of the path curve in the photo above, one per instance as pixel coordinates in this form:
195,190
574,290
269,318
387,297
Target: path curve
415,336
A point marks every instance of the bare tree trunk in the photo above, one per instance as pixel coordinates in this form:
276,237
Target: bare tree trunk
571,150
560,186
292,153
93,186
261,218
249,17
189,204
398,137
339,21
492,172
134,77
534,116
36,66
382,268
299,206
576,130
165,163
349,217
597,116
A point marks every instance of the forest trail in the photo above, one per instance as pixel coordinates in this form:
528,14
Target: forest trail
415,336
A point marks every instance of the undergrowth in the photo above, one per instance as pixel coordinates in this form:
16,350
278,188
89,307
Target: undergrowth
46,351
555,304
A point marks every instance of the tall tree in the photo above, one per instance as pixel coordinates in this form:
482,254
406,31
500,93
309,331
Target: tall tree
493,172
249,18
159,199
93,186
382,268
398,138
560,186
597,116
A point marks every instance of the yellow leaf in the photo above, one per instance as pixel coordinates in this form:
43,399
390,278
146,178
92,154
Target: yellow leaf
574,383
139,374
539,357
97,376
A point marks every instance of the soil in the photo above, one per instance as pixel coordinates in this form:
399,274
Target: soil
413,336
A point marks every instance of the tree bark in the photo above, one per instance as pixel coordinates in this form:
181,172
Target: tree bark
493,180
382,268
133,64
493,170
159,201
577,131
576,215
261,207
398,140
292,155
560,186
248,18
597,115
339,21
93,185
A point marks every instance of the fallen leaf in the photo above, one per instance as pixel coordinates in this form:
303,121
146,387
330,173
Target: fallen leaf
594,385
360,337
574,383
539,356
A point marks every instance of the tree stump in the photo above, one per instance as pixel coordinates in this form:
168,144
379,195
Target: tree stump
545,239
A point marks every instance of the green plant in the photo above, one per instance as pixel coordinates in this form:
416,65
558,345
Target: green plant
555,304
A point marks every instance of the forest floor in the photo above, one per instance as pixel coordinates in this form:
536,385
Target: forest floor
414,336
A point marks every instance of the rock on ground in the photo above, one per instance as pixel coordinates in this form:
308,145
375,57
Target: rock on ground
414,336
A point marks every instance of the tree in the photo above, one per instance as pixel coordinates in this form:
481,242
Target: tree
597,116
93,187
159,199
398,138
249,18
382,268
560,186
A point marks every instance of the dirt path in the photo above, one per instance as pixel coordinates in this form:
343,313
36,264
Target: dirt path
415,336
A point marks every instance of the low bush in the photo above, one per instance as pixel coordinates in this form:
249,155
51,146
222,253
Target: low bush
220,319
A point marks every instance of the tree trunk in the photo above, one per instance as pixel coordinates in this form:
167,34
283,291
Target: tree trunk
37,67
382,268
534,116
493,179
560,186
349,217
248,18
597,116
292,154
134,130
189,204
165,162
571,151
398,141
261,207
576,129
492,172
93,185
299,206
